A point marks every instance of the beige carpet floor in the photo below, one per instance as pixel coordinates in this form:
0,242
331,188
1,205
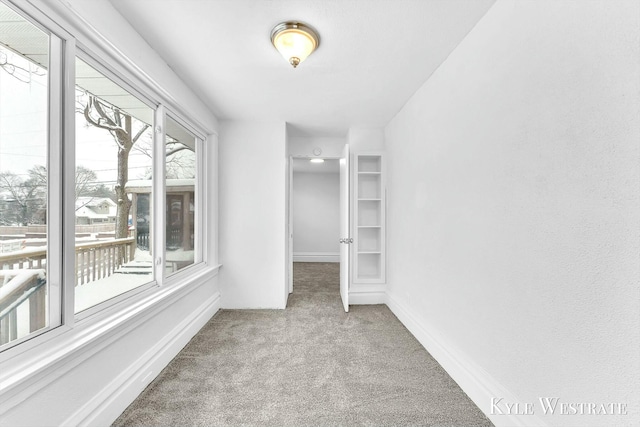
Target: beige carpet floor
309,365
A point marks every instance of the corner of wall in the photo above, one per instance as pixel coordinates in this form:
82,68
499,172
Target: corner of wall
366,139
105,407
481,387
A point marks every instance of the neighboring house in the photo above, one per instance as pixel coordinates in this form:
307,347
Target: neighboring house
95,210
179,216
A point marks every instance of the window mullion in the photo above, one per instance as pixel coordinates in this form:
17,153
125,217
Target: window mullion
68,183
200,185
159,201
55,183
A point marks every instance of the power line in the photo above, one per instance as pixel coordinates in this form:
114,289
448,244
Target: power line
24,155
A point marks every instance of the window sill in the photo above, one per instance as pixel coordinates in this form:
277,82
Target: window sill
25,368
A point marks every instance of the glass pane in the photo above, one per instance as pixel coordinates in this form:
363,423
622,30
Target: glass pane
24,59
180,161
113,189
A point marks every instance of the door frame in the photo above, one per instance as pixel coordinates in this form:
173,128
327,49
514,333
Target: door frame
289,221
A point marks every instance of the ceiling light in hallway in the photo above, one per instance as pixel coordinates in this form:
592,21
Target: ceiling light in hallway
295,41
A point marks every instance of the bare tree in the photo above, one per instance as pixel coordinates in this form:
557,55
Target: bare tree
120,125
180,159
38,174
28,194
85,181
85,185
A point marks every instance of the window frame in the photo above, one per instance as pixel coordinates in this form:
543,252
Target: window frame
83,54
63,324
60,42
199,183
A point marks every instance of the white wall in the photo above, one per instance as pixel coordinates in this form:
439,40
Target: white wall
89,379
316,216
365,139
252,191
513,192
304,146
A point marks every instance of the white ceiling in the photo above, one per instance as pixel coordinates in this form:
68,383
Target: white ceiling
373,55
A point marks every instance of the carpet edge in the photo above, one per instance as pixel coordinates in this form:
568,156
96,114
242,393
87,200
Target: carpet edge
110,403
472,379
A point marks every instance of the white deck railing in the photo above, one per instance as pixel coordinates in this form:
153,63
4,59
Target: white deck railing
23,278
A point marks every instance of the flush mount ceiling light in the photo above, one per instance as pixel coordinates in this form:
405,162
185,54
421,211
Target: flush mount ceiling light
295,41
317,160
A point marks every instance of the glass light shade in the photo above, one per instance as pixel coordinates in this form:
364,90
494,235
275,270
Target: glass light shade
294,41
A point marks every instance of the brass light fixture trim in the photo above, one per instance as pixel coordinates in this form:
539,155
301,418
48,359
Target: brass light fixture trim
295,41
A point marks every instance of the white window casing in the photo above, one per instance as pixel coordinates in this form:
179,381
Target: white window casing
25,362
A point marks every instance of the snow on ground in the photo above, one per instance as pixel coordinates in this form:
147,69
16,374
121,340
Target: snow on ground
130,276
101,290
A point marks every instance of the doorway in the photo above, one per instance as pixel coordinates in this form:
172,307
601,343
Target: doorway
316,207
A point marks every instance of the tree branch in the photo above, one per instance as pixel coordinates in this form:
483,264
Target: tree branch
88,118
103,115
140,132
177,149
118,118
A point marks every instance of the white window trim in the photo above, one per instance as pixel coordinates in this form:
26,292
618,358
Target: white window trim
60,44
199,188
43,349
87,57
158,216
55,183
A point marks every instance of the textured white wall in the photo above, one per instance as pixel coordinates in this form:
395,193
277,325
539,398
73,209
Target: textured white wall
252,191
514,202
316,213
365,139
303,146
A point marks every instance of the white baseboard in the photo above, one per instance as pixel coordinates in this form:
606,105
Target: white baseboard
367,294
367,298
106,407
316,257
474,381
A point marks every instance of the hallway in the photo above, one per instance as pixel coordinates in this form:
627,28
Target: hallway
311,364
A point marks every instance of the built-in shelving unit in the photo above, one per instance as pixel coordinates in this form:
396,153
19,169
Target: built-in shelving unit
369,249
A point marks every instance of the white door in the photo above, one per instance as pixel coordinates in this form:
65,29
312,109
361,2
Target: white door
345,238
290,229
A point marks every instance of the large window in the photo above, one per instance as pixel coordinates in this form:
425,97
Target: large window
81,182
180,174
24,63
113,153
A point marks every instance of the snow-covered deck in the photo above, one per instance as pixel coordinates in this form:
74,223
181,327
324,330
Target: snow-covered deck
104,269
129,276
